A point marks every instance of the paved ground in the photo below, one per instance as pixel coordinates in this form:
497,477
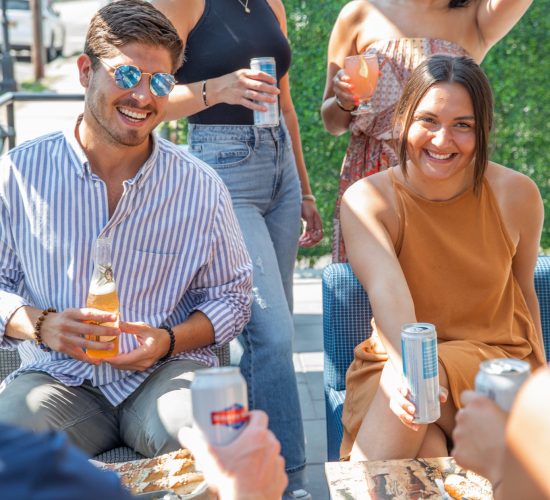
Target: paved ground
34,119
308,362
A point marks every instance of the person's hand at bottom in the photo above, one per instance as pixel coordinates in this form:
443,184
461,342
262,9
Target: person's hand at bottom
251,467
479,436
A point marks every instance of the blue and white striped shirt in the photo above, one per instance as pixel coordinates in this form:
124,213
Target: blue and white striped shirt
177,247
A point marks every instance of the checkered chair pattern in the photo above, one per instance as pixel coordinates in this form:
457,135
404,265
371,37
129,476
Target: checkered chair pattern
9,362
346,322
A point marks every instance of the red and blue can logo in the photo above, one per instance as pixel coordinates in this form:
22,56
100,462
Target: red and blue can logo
235,416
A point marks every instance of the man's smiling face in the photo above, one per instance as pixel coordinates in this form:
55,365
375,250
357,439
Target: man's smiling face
124,116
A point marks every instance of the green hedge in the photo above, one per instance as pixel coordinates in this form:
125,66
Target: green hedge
518,68
309,27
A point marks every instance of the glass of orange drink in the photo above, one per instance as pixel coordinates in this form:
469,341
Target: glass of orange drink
363,71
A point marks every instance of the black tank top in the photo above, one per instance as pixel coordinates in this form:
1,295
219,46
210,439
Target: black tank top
224,40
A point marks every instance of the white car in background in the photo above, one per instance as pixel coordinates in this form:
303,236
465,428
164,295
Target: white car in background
21,33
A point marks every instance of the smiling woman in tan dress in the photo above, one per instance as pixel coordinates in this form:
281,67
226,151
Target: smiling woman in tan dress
452,239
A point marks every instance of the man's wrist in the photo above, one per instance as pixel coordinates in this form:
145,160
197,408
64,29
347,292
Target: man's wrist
21,321
172,343
38,328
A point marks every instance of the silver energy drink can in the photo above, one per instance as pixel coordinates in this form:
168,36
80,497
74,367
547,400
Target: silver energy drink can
269,118
220,404
420,367
500,379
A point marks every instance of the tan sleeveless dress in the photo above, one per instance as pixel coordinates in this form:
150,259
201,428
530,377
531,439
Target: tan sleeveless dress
457,259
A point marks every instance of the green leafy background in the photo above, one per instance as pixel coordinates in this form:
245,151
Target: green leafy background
518,68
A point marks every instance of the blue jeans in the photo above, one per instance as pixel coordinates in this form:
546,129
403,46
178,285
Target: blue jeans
258,167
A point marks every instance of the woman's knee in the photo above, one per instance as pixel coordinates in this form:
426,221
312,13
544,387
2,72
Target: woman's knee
434,443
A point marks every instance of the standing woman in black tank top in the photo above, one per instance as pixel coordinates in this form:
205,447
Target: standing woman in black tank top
265,172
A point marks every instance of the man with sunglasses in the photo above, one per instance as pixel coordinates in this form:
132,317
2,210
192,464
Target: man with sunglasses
181,268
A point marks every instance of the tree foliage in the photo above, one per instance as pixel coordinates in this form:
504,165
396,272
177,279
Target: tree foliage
518,68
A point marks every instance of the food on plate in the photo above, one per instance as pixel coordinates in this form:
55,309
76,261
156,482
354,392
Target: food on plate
172,471
470,486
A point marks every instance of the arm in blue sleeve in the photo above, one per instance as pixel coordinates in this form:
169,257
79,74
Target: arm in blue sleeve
226,282
11,276
45,466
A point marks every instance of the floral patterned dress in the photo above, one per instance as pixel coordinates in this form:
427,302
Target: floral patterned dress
369,149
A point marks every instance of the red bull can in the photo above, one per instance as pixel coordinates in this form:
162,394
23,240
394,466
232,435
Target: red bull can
421,370
219,398
500,379
269,118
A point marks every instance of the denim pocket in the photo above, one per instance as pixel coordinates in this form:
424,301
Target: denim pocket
222,154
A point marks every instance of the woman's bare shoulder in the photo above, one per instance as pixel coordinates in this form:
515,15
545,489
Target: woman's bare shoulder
184,14
379,184
355,12
278,7
373,196
507,181
517,196
369,207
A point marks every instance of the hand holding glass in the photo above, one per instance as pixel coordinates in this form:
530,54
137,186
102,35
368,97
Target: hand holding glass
363,72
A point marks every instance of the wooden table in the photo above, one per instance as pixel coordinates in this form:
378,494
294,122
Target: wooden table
397,479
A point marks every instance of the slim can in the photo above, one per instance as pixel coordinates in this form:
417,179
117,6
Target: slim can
269,118
500,379
220,404
420,367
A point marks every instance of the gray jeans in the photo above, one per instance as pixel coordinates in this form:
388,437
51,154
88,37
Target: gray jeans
148,421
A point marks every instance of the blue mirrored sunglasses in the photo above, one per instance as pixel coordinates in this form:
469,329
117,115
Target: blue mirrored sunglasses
128,76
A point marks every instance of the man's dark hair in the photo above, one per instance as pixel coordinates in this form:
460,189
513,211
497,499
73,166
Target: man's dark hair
131,21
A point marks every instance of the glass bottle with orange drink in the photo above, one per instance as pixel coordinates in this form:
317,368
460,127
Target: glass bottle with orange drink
102,295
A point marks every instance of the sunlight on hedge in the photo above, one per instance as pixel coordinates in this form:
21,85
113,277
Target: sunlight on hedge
519,70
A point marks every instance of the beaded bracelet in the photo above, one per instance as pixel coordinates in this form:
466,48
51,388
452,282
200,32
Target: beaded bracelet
341,106
172,342
38,325
203,91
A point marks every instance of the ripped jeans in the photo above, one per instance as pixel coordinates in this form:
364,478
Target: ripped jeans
258,167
